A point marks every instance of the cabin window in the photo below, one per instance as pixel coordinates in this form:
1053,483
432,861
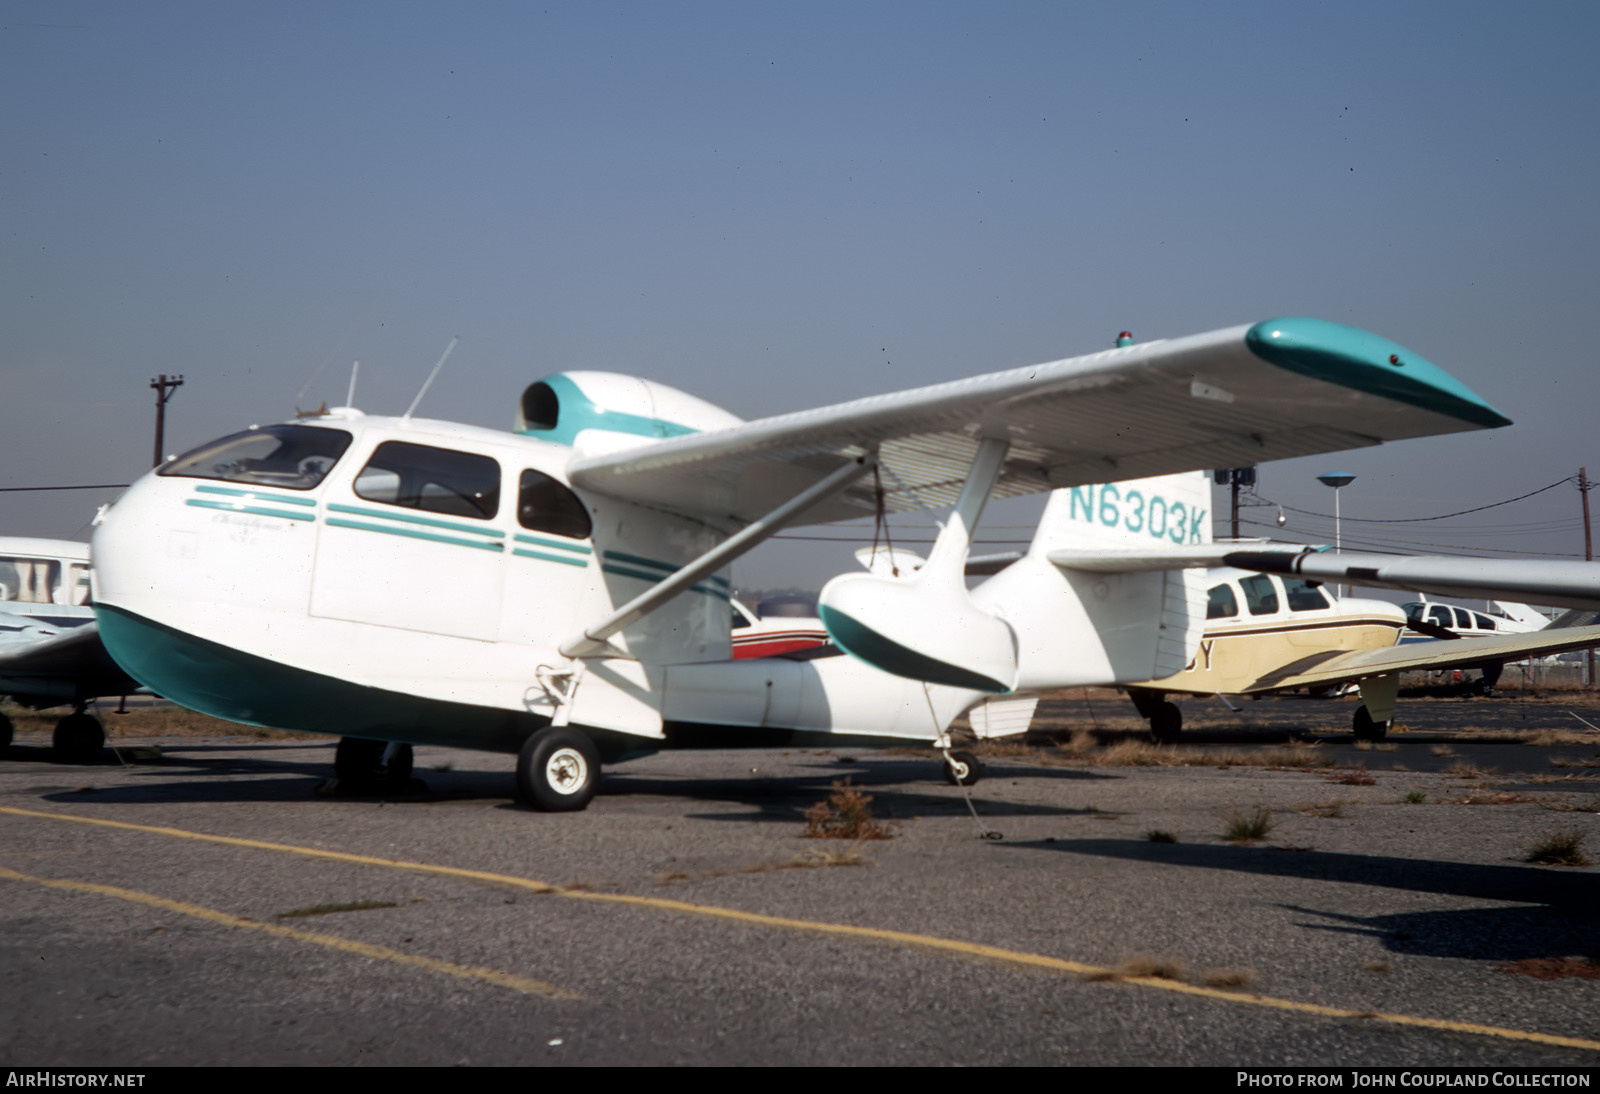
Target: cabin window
1303,596
1484,622
292,457
1463,619
545,505
1220,603
1441,615
29,580
1260,594
434,480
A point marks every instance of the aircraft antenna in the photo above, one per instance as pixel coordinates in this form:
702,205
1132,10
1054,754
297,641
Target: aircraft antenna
355,370
426,384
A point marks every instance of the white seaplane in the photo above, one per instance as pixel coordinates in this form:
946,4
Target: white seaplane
561,592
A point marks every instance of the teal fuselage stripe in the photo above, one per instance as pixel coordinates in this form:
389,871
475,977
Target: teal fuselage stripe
259,495
415,533
431,522
667,569
876,650
235,507
538,541
523,552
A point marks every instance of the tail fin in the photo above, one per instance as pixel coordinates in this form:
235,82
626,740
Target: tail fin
1075,627
1136,513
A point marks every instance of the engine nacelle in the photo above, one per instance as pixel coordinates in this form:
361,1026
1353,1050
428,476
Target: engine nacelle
611,410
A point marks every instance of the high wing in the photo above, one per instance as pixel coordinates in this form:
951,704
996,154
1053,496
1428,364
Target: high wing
44,667
1536,581
1334,667
1274,390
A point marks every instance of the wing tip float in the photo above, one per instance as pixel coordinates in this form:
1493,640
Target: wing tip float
1368,362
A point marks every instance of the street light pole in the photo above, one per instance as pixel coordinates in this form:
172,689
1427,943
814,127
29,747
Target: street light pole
1338,480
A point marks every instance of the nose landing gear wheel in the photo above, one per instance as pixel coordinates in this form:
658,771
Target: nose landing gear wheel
558,770
962,769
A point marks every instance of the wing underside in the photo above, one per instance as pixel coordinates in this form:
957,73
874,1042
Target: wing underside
1230,398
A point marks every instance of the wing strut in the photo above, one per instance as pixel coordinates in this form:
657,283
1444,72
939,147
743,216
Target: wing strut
592,641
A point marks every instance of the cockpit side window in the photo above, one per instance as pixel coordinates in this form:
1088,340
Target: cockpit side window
545,505
1303,596
291,457
1440,614
1220,603
1260,594
434,480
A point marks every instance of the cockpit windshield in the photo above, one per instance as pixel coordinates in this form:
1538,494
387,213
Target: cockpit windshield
292,457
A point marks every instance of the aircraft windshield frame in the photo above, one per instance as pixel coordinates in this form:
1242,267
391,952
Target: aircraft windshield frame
289,457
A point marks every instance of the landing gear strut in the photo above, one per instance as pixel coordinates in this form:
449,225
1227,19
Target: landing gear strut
78,738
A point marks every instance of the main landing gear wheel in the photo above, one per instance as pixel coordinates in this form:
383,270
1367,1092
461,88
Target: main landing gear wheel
1366,727
361,763
78,739
558,770
1166,722
962,769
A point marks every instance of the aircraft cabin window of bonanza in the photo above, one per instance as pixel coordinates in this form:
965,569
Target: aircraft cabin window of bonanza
36,581
1220,604
434,480
293,457
1304,596
544,505
1260,595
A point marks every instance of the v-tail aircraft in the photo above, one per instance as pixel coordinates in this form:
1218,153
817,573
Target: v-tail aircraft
561,591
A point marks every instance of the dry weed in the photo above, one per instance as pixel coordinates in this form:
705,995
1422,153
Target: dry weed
1356,776
1247,827
1554,968
847,814
1559,849
1143,965
1228,978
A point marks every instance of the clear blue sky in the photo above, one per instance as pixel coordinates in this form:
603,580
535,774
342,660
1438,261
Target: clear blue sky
784,205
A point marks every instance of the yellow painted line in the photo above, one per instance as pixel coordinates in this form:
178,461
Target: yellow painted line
363,949
899,938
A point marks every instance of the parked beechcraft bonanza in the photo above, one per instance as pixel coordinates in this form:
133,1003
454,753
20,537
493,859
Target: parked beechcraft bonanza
561,592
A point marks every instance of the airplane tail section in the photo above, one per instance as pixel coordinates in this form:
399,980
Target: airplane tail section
1076,626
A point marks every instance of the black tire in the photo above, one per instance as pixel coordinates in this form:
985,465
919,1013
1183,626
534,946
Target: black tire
962,769
558,770
1367,728
1166,723
6,732
359,761
78,739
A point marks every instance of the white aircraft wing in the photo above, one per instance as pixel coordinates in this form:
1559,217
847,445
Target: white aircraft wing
1331,666
46,664
1282,388
1568,584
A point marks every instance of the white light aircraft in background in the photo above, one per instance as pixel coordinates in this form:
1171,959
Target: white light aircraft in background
561,592
50,650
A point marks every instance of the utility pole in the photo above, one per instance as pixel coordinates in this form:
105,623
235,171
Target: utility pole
1235,477
163,386
1588,547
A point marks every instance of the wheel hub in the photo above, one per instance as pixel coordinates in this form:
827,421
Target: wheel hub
566,771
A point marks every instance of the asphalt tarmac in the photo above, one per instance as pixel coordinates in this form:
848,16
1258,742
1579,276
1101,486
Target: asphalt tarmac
200,903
